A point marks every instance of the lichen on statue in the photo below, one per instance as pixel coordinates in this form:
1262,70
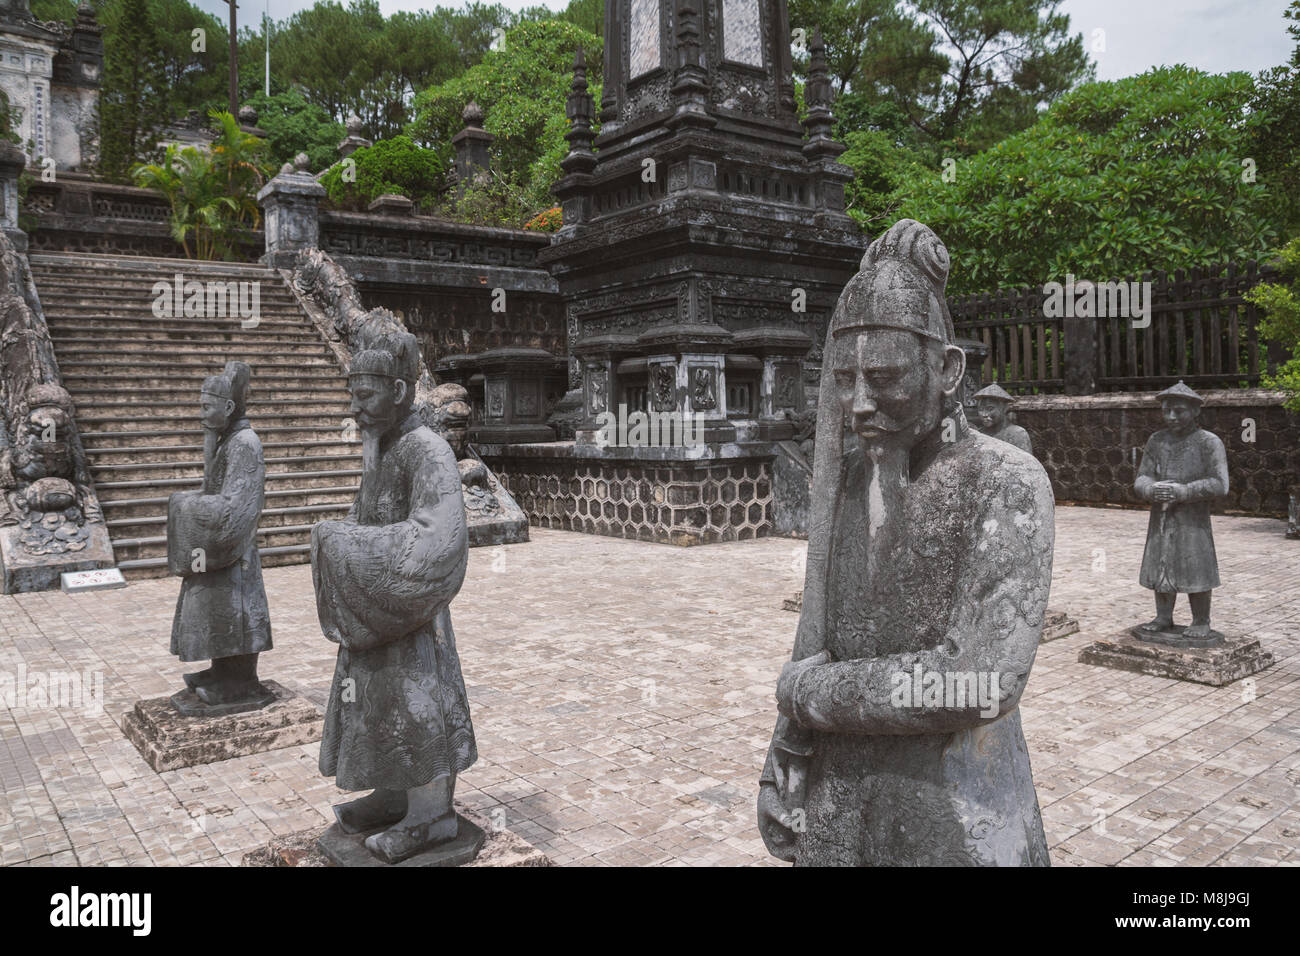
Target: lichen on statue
928,569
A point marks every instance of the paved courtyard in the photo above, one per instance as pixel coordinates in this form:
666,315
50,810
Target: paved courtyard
622,694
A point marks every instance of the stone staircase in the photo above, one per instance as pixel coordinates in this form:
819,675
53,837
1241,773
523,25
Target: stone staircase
135,379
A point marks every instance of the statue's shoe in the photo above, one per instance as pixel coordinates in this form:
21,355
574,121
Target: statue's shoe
381,808
1197,632
197,679
1157,625
397,843
221,692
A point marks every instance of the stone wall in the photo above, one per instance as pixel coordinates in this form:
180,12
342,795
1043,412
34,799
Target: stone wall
670,501
1092,445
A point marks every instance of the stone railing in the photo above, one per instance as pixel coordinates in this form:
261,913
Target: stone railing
77,213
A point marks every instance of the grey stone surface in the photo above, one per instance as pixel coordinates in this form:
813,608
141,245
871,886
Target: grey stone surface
349,849
992,410
221,614
397,720
1230,660
1184,469
928,569
168,741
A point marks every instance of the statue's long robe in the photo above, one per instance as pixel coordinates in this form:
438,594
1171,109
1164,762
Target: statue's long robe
1179,556
398,715
221,611
966,591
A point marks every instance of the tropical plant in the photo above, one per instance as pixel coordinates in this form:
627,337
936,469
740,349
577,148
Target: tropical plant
1280,324
238,165
201,212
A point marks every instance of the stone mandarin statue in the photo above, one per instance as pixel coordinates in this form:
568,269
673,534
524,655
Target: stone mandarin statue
221,614
929,553
397,720
1184,468
992,404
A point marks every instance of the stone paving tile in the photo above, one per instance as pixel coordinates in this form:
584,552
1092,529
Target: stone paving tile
622,698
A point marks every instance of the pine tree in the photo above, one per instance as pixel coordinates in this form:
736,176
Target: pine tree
132,103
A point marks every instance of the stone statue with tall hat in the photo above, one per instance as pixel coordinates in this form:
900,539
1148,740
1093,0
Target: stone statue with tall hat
1184,469
397,721
221,613
929,562
992,417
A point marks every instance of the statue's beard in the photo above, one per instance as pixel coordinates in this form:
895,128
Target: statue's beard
372,434
211,438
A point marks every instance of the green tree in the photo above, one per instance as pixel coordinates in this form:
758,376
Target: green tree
1116,178
394,165
132,101
1280,323
64,10
1274,150
521,87
293,125
203,218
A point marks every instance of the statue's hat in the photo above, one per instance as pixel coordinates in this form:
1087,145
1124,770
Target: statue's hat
900,285
231,383
391,355
994,392
1180,391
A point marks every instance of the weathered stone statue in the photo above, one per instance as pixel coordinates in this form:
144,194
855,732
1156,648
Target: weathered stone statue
221,614
929,564
397,720
1184,468
992,404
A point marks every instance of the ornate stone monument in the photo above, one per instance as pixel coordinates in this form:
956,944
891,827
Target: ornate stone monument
397,721
992,405
1184,469
221,613
929,564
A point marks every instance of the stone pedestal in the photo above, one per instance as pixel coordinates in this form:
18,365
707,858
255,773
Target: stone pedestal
500,848
1058,624
1235,658
169,741
291,202
32,558
349,849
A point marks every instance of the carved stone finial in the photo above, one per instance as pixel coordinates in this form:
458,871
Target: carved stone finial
247,115
354,124
472,115
817,97
300,163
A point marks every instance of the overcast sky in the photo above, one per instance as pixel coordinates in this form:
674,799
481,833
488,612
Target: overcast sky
1213,35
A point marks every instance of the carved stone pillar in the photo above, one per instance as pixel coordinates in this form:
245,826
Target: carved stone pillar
291,202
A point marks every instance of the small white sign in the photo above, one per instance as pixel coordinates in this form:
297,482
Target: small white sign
74,582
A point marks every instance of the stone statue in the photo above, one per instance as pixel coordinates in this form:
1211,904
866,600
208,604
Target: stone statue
991,407
398,720
928,569
1184,468
221,614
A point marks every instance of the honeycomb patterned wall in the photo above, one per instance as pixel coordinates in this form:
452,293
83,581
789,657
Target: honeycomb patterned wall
1089,452
697,503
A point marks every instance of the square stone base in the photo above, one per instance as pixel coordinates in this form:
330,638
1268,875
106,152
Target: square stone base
500,848
1056,625
22,572
349,849
169,741
1236,658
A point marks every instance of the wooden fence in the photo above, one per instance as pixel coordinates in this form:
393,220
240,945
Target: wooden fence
1201,330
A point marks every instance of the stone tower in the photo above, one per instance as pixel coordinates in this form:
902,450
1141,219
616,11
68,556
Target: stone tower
704,230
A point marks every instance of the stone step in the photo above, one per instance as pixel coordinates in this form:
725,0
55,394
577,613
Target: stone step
73,335
303,481
272,517
279,324
119,403
184,453
109,286
147,471
155,546
188,382
97,311
253,355
275,497
198,364
61,293
92,423
120,261
144,568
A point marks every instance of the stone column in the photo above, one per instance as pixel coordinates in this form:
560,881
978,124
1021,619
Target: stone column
598,356
471,146
12,163
696,355
1080,354
292,204
782,352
